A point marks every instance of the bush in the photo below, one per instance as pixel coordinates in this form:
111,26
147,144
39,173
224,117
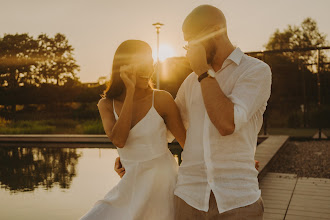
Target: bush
320,118
295,119
86,111
91,127
63,122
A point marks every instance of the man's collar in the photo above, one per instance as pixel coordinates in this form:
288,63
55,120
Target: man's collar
236,56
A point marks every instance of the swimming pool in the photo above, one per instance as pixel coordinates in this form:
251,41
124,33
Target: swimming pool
42,181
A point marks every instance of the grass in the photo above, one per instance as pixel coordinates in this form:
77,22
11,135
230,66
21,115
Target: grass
27,127
52,126
70,126
90,127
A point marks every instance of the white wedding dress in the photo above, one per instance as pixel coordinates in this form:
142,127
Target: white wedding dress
146,191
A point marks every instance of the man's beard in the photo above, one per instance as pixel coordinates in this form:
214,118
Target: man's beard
210,55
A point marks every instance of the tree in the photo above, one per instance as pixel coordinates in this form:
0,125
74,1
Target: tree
28,61
173,72
294,82
58,64
17,57
295,37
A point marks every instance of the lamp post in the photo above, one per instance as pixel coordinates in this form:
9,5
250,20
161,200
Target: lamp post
158,26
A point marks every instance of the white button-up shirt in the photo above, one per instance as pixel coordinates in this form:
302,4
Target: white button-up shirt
223,164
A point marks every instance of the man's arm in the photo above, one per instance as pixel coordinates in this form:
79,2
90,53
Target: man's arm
249,94
120,170
219,108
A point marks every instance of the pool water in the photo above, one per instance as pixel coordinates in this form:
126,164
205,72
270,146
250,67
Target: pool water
54,182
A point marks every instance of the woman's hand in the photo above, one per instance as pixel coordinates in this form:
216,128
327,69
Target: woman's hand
128,75
120,170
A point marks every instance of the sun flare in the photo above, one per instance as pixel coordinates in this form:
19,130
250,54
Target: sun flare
165,51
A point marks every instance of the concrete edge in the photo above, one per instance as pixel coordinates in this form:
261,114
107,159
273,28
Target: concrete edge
267,152
66,138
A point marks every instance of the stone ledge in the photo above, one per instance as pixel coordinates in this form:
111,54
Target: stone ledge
267,151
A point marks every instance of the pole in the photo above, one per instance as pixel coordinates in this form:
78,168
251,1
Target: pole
302,67
158,64
158,26
319,89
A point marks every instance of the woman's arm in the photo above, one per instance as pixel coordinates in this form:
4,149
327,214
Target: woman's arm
118,131
166,107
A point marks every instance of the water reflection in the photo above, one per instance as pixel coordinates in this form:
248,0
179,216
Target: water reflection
75,176
24,169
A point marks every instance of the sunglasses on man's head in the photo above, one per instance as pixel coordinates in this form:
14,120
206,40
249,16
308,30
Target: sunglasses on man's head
200,37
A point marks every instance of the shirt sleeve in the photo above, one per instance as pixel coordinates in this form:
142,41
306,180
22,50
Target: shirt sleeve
180,101
251,92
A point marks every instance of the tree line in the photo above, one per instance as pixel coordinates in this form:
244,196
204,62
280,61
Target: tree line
29,61
43,70
40,70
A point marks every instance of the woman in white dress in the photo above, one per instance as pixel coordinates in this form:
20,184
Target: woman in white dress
136,118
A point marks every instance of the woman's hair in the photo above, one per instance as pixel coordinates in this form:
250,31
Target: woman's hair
123,56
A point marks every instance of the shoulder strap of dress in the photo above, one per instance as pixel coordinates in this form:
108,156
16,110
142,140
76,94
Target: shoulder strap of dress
153,97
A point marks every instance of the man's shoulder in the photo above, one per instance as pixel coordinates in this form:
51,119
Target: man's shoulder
189,79
252,64
191,76
252,61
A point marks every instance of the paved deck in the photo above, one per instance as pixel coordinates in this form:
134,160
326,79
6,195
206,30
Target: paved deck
267,151
288,197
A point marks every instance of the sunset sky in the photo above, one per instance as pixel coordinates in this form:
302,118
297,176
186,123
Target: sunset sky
95,28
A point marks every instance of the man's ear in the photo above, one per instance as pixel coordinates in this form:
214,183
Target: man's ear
219,30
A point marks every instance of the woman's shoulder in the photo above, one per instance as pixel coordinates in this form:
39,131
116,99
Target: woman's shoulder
163,101
162,96
105,103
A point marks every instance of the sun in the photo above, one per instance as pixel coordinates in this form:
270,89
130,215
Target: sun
165,51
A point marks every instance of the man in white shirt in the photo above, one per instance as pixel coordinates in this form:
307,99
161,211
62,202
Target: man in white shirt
222,104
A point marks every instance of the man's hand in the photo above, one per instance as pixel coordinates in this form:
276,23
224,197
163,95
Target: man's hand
256,164
120,170
196,56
